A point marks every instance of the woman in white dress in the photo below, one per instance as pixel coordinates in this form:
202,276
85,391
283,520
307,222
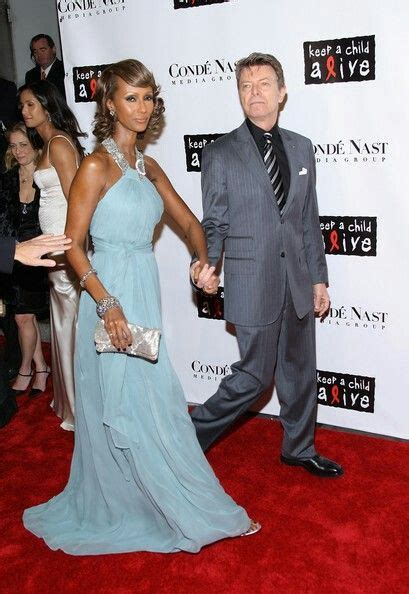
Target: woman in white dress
55,128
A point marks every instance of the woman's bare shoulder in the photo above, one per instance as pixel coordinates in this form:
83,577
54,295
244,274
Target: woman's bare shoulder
61,143
97,161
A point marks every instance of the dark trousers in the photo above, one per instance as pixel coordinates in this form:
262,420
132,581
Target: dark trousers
9,359
11,352
283,351
8,405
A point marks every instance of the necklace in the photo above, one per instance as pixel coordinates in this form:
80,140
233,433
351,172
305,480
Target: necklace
24,179
119,158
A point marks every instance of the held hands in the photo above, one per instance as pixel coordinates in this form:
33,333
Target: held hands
204,278
321,300
117,327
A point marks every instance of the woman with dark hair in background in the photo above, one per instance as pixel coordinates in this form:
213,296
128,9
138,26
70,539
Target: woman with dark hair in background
139,479
20,203
56,129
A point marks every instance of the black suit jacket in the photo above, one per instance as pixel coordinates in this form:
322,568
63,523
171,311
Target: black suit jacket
8,114
8,102
7,251
55,76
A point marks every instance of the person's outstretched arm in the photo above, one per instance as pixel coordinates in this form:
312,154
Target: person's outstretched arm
202,273
30,252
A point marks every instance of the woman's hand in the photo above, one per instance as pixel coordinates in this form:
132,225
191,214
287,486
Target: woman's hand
117,327
204,278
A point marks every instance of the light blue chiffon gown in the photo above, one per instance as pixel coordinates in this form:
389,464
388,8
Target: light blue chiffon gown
139,480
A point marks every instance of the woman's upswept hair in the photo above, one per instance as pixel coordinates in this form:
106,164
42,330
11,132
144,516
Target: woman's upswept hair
134,73
61,115
9,159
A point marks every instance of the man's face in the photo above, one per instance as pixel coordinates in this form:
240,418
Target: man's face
42,53
260,95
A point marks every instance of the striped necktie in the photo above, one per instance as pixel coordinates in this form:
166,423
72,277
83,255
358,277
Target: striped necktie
273,170
43,75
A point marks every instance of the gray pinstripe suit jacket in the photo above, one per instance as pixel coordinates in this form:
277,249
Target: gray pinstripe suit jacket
240,213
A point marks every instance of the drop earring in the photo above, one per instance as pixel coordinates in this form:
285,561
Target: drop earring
112,113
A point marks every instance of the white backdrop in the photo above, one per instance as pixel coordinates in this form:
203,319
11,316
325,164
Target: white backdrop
358,128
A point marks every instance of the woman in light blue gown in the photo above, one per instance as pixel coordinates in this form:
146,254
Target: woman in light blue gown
139,480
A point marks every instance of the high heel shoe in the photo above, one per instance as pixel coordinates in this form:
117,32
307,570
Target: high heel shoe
34,392
254,527
20,392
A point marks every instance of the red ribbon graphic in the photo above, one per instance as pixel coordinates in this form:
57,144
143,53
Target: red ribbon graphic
93,87
330,67
334,394
334,241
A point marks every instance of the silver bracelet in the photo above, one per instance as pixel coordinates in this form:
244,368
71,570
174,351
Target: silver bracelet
86,275
103,305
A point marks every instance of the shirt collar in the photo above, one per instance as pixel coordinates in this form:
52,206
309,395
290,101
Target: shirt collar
258,133
47,70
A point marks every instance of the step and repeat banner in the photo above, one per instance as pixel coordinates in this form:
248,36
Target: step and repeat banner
346,83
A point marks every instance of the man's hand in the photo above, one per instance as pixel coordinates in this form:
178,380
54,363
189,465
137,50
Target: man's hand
30,252
204,278
321,300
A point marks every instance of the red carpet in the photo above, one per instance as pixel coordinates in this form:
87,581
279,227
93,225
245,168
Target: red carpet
318,536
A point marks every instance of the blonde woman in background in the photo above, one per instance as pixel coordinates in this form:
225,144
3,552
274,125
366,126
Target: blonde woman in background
19,213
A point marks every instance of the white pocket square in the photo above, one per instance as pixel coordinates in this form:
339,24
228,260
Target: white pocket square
303,171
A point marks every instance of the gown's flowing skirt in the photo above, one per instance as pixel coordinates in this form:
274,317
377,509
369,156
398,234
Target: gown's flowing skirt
139,479
64,296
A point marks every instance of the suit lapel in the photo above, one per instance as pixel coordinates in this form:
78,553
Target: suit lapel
53,67
289,147
249,154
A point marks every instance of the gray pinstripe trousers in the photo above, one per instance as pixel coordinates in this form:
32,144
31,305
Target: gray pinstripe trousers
283,351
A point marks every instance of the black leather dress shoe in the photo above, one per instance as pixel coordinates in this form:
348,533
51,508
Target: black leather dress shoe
316,465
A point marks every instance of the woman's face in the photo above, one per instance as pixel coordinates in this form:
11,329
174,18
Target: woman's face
133,106
32,111
21,148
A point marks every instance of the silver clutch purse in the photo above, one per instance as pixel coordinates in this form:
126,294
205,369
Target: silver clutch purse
145,341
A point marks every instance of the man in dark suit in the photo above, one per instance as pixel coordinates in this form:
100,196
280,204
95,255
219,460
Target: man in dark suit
8,114
8,103
48,66
260,205
28,253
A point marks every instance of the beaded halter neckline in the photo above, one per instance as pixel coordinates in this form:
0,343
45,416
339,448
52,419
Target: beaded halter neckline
119,158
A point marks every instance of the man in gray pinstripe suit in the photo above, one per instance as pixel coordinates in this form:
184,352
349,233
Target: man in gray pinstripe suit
260,205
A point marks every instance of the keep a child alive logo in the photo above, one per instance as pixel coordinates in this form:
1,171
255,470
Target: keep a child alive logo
194,145
85,79
211,306
343,390
351,59
194,3
349,236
